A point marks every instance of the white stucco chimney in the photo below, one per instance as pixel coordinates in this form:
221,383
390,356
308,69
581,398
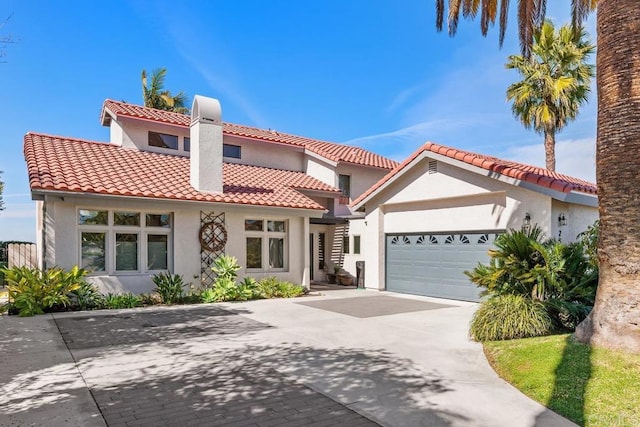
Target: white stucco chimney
206,145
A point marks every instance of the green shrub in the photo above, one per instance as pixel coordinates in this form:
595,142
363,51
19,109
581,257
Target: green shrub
271,287
208,295
247,289
116,301
225,289
510,316
226,267
170,287
562,277
86,297
32,291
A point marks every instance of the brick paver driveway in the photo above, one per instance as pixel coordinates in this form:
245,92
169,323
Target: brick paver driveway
190,366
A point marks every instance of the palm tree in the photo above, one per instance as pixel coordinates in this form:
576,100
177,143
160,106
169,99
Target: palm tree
615,319
1,190
555,82
155,96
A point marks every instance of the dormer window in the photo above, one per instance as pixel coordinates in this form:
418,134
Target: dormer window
163,140
232,151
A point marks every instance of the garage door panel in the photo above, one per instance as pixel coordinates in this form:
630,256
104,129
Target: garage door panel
434,265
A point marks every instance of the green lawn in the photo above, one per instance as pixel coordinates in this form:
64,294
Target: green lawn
591,387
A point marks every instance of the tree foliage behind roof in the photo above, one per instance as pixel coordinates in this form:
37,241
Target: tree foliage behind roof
156,96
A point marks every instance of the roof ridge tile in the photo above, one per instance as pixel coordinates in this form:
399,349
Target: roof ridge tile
528,173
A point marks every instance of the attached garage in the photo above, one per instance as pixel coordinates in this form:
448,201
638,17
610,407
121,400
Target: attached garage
437,215
433,264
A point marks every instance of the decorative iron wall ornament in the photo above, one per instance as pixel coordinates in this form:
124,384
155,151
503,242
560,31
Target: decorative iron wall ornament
213,239
213,236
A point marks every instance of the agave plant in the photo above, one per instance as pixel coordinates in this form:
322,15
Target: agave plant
226,267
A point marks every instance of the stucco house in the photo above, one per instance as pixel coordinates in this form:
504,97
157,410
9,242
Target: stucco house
172,192
438,213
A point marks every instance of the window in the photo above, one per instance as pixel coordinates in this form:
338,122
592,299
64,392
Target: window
276,252
356,245
86,217
253,224
126,252
158,220
266,244
232,151
254,252
124,241
344,184
92,251
345,244
126,218
157,252
187,143
163,140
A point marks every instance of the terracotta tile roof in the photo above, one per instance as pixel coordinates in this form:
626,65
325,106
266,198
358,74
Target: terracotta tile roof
73,165
531,174
329,150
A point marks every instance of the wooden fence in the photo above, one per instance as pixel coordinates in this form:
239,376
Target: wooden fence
22,255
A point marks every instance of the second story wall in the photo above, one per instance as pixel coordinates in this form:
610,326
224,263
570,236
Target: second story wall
321,170
133,133
266,154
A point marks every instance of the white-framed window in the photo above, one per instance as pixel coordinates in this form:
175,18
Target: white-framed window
124,241
266,244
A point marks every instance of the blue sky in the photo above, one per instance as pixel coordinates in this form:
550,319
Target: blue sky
371,73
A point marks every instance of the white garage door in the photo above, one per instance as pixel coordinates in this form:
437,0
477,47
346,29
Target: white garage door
434,264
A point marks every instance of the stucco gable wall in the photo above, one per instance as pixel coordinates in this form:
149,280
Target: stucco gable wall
63,238
457,199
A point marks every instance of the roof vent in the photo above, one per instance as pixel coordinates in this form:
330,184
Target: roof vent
433,166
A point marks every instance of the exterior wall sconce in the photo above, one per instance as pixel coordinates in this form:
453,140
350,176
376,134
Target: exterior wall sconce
526,222
562,220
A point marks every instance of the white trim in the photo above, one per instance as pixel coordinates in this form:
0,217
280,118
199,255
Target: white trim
111,230
265,235
312,213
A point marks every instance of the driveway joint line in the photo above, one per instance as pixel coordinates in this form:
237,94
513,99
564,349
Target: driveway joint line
75,365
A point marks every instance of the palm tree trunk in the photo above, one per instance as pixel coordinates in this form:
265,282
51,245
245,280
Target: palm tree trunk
615,319
550,150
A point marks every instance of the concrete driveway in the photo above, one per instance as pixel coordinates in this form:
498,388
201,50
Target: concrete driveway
347,358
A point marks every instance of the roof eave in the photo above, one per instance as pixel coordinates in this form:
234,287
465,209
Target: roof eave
106,116
41,193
